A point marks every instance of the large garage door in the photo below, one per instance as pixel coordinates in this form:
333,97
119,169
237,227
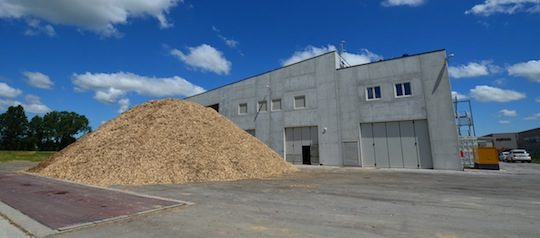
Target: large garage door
403,144
302,145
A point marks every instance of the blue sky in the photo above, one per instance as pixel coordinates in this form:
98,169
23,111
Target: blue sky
101,57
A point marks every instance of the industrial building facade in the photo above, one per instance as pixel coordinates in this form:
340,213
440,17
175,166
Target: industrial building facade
394,113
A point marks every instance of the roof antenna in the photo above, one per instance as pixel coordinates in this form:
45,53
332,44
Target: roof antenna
342,62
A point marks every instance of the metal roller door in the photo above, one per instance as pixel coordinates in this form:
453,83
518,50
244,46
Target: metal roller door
403,144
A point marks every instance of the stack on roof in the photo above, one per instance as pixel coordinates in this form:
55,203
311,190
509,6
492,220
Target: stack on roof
165,141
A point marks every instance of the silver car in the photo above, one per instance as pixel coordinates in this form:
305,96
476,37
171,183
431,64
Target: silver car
518,155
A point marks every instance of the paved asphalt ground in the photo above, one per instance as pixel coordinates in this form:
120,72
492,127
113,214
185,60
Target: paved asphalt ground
343,202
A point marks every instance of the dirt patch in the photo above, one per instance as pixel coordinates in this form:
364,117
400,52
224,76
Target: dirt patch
162,142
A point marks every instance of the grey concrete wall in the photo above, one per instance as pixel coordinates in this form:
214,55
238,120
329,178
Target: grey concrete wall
336,102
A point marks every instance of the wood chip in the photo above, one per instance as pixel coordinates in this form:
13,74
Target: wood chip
166,141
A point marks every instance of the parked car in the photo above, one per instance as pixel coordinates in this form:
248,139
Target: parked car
503,155
518,155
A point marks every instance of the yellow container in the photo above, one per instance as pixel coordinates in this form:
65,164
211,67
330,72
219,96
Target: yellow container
486,158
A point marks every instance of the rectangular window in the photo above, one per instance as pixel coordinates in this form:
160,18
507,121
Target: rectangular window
299,102
373,93
261,106
403,89
276,104
242,108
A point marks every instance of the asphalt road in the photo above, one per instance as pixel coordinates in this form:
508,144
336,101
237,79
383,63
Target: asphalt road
346,202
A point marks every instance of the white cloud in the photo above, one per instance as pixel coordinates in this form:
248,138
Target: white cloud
365,56
473,69
124,105
205,58
108,87
32,104
8,92
537,100
508,113
459,96
38,80
229,42
100,16
490,7
393,3
533,117
486,93
35,28
109,95
504,122
530,70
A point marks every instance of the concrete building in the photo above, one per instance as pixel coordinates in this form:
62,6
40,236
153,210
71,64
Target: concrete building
395,113
504,141
530,140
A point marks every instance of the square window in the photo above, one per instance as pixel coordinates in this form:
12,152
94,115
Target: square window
242,108
299,101
403,89
373,93
276,104
261,106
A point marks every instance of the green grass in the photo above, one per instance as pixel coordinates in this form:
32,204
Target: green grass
34,156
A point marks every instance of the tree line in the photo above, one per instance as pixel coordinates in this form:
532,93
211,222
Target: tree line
52,132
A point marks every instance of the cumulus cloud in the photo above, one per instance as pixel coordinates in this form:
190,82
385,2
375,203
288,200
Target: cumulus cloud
365,56
204,58
486,93
504,122
490,7
97,15
458,96
529,70
32,104
473,69
508,113
124,105
38,80
108,87
394,3
8,92
109,95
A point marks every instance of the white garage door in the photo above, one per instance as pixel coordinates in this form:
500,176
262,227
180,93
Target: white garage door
402,144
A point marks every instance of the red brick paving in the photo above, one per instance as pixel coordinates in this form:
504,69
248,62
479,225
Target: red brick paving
58,204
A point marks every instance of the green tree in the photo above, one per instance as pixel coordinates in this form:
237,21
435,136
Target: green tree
36,133
62,128
13,129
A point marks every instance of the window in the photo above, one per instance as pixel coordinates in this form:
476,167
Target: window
276,104
373,93
261,106
299,101
403,89
242,108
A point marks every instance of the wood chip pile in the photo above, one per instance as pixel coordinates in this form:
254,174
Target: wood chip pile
166,141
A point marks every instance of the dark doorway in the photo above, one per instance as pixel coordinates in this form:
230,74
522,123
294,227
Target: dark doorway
215,107
306,154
